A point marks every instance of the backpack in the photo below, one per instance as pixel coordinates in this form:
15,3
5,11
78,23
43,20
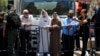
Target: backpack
13,20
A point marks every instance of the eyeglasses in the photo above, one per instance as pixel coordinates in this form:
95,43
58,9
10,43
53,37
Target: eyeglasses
26,13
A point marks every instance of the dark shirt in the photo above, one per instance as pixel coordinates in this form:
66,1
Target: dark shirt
1,22
84,27
96,18
87,18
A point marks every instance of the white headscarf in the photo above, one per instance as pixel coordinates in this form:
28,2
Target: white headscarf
46,14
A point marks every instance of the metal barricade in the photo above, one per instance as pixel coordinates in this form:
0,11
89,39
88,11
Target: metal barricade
29,41
45,43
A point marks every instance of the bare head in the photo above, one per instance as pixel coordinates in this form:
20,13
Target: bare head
70,13
26,13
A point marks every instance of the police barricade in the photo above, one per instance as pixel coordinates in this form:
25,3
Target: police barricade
54,46
39,40
29,41
49,41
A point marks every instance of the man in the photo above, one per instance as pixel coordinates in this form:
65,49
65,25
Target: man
11,24
26,23
96,21
1,29
68,31
2,39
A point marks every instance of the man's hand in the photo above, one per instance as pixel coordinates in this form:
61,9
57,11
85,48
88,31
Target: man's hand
45,27
27,24
54,26
4,29
69,26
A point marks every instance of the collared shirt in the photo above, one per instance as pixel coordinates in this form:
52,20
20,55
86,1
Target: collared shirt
28,20
69,31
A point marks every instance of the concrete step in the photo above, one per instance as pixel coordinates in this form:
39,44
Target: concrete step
77,53
90,44
97,53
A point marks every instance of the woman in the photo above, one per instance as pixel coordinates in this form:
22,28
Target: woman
84,29
44,23
55,30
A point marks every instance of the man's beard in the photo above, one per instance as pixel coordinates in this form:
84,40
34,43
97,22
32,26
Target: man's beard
70,16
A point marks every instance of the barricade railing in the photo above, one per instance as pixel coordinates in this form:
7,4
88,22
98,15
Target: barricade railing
38,42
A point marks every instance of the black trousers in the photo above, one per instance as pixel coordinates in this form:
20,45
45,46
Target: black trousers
68,45
97,38
24,35
77,39
3,41
85,37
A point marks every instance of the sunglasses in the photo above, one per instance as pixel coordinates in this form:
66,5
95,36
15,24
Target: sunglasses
26,13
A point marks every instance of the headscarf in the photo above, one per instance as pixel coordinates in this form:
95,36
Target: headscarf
56,14
46,14
54,21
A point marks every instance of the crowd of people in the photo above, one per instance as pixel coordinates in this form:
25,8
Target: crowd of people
52,31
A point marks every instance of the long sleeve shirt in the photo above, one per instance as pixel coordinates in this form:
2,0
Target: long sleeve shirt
69,31
28,20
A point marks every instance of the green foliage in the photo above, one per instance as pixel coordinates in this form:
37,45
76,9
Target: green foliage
3,5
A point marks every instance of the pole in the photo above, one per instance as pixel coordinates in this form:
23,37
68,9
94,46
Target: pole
17,6
75,7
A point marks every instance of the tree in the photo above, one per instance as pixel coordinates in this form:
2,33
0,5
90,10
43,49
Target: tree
3,5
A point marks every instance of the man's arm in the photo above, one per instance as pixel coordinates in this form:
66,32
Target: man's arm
4,29
4,26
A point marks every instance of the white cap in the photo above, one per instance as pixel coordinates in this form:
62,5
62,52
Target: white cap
71,11
25,11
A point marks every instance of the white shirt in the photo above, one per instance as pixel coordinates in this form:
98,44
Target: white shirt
46,21
28,20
